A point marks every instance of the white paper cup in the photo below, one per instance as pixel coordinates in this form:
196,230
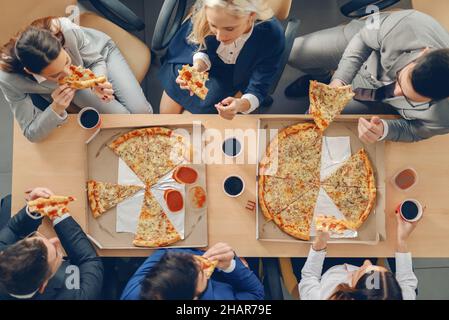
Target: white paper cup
241,192
400,209
230,155
83,125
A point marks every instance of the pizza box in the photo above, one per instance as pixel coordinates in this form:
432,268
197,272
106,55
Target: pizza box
373,230
102,165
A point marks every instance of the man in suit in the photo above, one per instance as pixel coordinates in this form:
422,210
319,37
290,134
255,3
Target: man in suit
397,62
173,274
32,266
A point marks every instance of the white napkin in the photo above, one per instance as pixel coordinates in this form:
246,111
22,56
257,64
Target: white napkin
335,152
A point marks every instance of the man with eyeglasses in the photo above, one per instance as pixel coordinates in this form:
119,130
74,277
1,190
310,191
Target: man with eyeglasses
32,266
397,63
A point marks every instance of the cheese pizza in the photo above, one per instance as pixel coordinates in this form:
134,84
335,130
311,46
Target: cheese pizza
53,207
82,78
331,224
196,81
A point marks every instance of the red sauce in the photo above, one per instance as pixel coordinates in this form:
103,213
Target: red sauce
199,84
174,200
187,75
198,197
40,206
405,179
185,175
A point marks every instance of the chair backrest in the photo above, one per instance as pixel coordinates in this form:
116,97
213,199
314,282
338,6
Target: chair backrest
17,14
439,9
281,8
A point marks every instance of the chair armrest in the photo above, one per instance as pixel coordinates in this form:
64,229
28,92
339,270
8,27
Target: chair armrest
291,31
167,26
119,14
358,8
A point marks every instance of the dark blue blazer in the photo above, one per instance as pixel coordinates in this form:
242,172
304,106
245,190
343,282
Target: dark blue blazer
257,64
241,284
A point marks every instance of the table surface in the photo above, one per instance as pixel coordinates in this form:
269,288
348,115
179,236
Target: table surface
59,164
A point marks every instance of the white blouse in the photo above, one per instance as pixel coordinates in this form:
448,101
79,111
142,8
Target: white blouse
229,54
314,286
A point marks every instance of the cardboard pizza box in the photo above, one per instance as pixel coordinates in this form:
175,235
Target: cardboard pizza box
373,230
102,165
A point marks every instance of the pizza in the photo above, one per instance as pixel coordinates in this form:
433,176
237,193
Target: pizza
151,152
206,265
196,81
53,207
327,102
296,219
82,78
154,228
332,224
104,196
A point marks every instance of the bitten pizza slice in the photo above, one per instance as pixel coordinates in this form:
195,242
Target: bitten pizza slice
357,171
332,224
82,78
327,102
296,219
276,194
207,265
195,80
154,228
104,196
355,203
53,207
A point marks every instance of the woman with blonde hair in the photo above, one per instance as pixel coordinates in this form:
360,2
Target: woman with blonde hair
239,42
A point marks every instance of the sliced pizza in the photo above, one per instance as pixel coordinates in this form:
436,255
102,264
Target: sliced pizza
152,152
104,196
82,78
196,81
357,171
206,265
354,202
53,207
276,194
326,102
332,224
296,219
154,228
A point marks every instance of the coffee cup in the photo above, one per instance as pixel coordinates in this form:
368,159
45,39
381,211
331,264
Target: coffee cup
233,186
89,118
410,210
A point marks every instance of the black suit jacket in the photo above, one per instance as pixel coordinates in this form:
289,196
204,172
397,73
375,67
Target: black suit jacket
80,254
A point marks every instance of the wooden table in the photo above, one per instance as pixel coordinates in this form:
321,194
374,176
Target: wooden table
59,164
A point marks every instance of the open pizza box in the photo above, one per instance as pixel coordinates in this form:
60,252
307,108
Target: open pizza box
103,165
373,230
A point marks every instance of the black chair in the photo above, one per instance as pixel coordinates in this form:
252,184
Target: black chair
360,8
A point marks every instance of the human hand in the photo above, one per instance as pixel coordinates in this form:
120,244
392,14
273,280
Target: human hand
104,91
229,107
223,253
62,96
404,231
321,240
39,192
336,83
370,132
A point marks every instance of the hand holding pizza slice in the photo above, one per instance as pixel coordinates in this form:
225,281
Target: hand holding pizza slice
206,265
52,207
190,78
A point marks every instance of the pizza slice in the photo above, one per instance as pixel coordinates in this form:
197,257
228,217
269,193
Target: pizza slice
296,219
104,196
53,207
207,265
195,80
154,228
276,194
357,171
82,78
332,224
327,102
355,203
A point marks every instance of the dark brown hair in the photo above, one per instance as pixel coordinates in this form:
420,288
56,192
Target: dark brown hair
373,285
35,47
174,277
24,266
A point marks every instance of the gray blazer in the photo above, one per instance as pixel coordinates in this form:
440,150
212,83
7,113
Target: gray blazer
85,46
374,56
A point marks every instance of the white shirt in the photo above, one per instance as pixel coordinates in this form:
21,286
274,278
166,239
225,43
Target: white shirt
229,54
314,286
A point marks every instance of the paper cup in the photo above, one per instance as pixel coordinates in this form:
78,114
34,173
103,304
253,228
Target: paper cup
228,144
410,205
89,118
236,179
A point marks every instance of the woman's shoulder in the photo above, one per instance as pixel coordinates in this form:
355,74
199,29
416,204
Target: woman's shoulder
10,79
271,27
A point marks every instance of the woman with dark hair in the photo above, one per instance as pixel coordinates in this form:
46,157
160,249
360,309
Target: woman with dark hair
368,282
32,62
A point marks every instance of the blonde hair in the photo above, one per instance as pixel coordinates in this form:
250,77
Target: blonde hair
201,29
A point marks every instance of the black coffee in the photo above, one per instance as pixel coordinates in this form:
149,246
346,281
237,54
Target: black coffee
409,210
89,118
232,147
233,186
